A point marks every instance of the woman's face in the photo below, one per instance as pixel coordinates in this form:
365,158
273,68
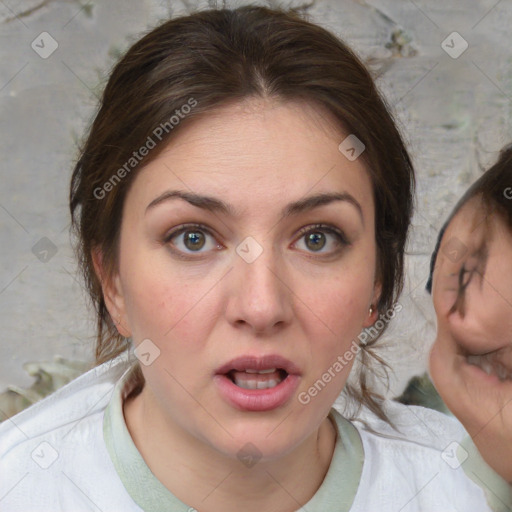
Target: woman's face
207,284
471,359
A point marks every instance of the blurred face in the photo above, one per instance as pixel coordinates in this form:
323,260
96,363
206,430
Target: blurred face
247,268
471,360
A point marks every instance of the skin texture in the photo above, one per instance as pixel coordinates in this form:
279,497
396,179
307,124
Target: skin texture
201,312
481,324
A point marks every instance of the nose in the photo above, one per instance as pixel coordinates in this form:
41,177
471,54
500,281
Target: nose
259,298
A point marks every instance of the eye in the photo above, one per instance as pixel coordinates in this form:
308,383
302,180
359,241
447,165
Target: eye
465,276
316,238
191,238
468,270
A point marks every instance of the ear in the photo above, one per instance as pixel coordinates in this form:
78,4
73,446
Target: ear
371,317
112,294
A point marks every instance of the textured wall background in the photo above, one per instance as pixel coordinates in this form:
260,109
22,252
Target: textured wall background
453,105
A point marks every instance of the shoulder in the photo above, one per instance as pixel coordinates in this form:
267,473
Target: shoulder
43,447
425,458
418,437
414,424
85,395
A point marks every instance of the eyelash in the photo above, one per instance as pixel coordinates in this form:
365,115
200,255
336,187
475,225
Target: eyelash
324,228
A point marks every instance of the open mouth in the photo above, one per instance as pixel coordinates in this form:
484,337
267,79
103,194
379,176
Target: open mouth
490,364
257,379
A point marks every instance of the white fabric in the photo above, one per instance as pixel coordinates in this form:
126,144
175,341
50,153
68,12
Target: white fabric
401,472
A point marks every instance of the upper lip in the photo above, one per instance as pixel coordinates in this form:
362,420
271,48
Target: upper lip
265,362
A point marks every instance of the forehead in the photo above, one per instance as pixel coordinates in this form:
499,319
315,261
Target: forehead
476,225
469,217
257,154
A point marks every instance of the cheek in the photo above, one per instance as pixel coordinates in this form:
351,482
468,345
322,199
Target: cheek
342,298
340,307
497,287
162,304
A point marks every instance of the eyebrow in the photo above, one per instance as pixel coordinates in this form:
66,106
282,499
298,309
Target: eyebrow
213,204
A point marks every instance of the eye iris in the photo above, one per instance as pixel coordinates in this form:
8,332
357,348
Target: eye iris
195,238
315,238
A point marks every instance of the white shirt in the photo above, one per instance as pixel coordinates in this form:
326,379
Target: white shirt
72,452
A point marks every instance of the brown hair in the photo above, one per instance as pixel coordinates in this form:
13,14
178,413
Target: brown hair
217,57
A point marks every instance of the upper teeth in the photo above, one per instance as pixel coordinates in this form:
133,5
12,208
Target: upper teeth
270,370
253,384
257,379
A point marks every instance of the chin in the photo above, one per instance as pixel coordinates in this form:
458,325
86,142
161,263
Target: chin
252,443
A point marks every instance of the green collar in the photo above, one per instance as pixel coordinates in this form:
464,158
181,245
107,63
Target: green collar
336,494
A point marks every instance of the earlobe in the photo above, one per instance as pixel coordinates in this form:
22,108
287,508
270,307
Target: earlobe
371,316
112,294
372,312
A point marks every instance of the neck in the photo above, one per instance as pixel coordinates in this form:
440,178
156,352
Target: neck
210,481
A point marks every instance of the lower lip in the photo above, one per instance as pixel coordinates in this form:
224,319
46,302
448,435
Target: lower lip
257,399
